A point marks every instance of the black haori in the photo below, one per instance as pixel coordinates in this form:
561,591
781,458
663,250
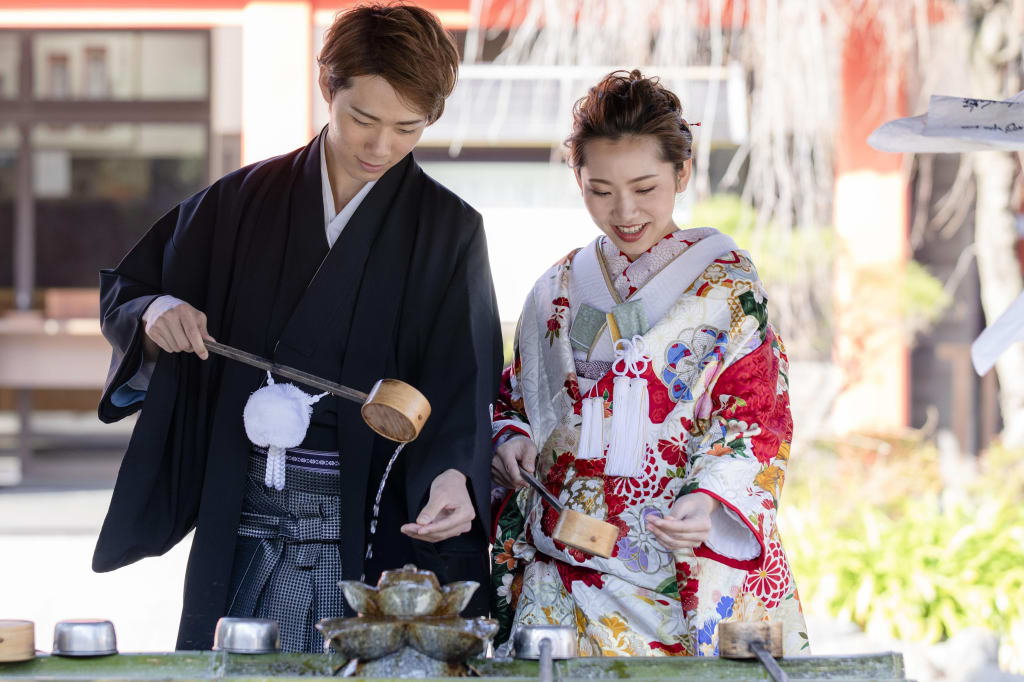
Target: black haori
404,293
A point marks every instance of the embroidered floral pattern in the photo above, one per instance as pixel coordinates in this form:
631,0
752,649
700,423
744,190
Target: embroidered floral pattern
783,452
687,358
505,556
573,574
586,495
628,276
715,273
770,581
560,307
673,449
706,636
506,564
641,551
770,479
632,490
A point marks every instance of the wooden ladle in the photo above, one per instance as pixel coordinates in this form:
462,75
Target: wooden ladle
574,529
392,408
762,641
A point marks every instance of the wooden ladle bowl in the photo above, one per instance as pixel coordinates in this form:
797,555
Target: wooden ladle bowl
395,410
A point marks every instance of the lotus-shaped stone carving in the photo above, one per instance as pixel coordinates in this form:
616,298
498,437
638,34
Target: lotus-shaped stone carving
408,608
451,639
443,639
408,593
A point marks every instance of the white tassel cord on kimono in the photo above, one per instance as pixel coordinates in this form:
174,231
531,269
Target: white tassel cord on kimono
592,430
277,417
630,409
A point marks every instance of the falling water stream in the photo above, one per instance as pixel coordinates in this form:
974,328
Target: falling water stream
376,505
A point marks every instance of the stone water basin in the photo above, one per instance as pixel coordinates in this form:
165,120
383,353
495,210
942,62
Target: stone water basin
442,638
408,625
215,666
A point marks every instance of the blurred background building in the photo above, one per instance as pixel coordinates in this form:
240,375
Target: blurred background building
112,111
111,114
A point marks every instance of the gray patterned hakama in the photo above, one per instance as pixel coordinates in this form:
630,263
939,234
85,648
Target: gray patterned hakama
288,561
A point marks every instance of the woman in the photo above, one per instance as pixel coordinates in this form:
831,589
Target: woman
647,389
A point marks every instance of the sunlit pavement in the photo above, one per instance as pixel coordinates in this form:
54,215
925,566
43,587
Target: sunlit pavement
48,526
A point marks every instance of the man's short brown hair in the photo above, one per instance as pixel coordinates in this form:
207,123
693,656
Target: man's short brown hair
404,44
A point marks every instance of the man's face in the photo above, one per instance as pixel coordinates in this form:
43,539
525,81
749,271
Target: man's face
371,128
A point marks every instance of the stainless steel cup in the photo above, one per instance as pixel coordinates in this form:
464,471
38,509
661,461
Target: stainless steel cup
247,636
563,641
84,638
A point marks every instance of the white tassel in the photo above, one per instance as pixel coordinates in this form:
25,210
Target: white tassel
592,429
279,474
630,410
274,476
276,417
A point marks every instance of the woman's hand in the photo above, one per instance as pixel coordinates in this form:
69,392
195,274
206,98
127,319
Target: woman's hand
449,511
510,455
180,328
688,523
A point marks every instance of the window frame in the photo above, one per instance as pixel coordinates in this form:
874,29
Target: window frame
25,111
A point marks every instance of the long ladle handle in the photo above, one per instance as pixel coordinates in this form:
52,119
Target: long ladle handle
777,673
287,372
539,487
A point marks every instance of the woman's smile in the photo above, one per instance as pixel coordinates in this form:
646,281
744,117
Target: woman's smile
631,233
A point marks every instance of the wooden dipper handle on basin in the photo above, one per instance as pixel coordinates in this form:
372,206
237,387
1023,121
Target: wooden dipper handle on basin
395,410
762,641
17,640
574,529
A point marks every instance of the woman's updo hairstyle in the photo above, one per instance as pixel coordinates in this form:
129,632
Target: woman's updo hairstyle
628,104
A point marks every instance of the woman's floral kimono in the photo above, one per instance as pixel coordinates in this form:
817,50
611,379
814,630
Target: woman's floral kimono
715,419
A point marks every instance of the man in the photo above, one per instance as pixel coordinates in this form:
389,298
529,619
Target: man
342,259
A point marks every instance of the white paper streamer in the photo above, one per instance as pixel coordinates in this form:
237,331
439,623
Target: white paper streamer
963,124
1007,330
956,124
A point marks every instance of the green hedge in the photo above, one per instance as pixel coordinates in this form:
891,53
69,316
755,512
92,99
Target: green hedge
874,538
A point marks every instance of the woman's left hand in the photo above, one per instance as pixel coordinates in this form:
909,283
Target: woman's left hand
688,523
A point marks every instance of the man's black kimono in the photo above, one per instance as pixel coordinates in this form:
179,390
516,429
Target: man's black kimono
404,293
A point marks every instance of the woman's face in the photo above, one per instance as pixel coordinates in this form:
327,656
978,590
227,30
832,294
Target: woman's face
371,127
630,191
